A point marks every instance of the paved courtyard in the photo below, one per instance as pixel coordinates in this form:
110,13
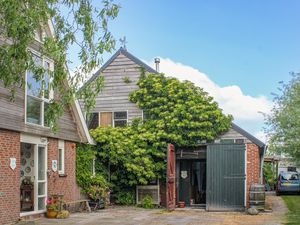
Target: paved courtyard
132,215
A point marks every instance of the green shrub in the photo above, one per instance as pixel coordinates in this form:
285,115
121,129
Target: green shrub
147,202
95,186
125,197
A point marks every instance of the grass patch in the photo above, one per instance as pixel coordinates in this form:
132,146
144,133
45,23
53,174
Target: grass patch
293,204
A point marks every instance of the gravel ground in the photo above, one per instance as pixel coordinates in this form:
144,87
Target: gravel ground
132,215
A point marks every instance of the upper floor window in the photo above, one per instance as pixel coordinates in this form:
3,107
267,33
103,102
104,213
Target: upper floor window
38,93
120,119
106,119
145,115
114,119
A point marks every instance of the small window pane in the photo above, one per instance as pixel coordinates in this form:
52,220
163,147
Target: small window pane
145,115
239,141
120,123
60,156
41,188
33,110
93,120
227,141
34,87
46,81
46,121
41,163
41,203
120,115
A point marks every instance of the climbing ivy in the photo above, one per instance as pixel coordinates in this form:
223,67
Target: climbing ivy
179,112
132,154
175,112
85,154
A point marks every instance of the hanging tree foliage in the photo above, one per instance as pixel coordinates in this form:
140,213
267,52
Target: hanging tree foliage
83,23
176,112
284,120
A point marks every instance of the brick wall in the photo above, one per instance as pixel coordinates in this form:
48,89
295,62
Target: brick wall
9,179
253,167
65,185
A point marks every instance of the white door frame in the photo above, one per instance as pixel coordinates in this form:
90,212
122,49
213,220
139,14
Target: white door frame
37,141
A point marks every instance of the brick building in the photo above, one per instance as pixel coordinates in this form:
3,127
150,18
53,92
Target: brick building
34,161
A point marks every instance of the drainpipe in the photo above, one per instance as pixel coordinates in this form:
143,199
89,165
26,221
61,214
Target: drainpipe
262,163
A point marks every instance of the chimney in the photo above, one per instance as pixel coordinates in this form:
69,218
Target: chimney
157,61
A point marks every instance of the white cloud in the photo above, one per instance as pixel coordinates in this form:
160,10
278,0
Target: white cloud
261,136
244,108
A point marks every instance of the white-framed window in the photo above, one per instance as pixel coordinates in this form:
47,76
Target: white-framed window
38,93
120,119
114,119
145,115
61,157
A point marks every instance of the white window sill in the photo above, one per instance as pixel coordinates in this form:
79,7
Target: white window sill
37,125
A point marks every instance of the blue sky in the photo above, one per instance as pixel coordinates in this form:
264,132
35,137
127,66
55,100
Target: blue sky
253,44
249,44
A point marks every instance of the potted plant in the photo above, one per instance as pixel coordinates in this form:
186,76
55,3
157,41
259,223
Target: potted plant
52,208
98,197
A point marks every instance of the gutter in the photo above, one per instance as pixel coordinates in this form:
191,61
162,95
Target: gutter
83,124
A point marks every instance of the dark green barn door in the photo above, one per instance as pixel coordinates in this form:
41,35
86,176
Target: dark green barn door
225,177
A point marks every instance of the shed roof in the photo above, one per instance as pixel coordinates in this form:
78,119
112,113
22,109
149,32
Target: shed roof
248,135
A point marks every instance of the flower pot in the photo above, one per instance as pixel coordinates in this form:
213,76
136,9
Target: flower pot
51,213
181,204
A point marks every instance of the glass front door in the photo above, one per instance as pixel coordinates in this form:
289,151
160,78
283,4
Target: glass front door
41,178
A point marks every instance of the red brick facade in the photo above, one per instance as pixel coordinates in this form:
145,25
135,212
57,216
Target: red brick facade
253,167
10,146
9,179
66,184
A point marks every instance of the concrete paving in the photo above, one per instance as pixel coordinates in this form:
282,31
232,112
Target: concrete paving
139,216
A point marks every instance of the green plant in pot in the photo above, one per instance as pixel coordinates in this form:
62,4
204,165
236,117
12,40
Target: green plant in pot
55,206
99,196
52,208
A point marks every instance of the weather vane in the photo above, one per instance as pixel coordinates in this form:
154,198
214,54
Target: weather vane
123,42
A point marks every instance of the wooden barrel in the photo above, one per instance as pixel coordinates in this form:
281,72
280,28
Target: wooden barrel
257,196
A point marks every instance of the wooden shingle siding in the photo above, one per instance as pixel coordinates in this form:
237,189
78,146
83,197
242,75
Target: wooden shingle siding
12,117
232,134
12,114
115,94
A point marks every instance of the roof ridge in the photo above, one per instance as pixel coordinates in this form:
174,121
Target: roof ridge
248,135
123,51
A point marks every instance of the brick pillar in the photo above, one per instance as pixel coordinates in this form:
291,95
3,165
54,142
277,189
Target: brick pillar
253,167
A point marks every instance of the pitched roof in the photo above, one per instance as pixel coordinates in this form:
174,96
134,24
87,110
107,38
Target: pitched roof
124,52
248,135
79,118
